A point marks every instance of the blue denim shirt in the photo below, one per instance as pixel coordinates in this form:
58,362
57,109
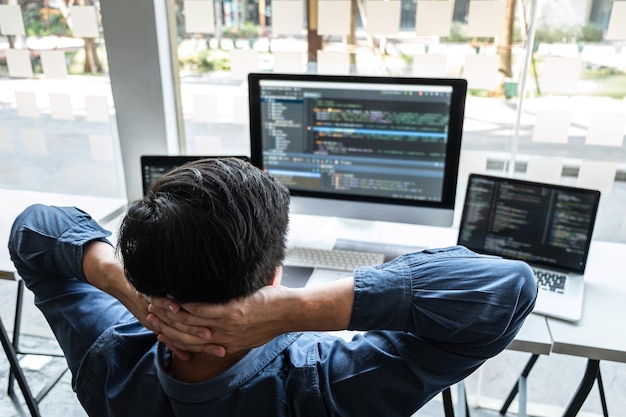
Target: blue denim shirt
430,319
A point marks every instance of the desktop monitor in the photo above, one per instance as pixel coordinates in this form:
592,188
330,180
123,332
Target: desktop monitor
372,148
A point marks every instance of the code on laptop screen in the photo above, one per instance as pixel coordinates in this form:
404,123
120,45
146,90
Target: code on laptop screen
539,223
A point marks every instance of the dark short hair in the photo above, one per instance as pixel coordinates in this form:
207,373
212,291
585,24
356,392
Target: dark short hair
211,230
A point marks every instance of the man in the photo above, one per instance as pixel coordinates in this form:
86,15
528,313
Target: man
213,232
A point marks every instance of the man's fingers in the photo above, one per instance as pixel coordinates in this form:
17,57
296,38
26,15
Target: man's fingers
183,354
175,344
179,331
215,350
206,311
165,304
181,317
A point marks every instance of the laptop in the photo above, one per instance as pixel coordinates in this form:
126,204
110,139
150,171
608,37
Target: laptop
154,166
546,225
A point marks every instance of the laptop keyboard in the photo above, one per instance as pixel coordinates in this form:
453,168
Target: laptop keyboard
550,281
343,260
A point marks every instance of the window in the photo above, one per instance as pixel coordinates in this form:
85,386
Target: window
567,128
57,132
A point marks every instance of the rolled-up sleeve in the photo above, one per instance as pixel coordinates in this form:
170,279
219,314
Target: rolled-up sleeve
451,297
47,241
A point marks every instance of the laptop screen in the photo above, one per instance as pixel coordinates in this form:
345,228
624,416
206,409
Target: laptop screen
154,166
543,224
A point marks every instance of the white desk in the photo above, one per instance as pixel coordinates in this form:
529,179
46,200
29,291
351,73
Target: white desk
534,336
596,336
12,203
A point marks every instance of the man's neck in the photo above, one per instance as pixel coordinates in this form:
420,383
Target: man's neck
201,367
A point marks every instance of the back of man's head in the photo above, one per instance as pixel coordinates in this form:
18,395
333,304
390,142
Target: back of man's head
210,230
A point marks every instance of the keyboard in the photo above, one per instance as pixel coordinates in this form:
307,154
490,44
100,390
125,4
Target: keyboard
550,281
343,260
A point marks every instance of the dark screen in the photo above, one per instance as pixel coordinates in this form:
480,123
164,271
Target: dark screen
154,167
539,223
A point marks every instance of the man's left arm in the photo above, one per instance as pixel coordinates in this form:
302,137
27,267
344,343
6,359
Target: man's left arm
104,271
47,242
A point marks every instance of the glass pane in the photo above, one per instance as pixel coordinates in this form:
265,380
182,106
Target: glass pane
571,111
574,115
57,128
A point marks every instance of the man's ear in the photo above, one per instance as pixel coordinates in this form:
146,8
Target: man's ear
278,275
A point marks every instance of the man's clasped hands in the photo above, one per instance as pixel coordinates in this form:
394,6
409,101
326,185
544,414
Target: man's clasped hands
216,329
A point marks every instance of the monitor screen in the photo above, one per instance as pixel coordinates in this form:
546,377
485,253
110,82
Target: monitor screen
375,148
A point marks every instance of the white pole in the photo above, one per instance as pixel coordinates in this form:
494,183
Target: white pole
530,42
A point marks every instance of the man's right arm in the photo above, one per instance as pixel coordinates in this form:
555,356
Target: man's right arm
453,298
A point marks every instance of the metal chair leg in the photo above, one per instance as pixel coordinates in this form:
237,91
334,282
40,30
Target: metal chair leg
18,374
605,409
17,323
448,407
15,370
